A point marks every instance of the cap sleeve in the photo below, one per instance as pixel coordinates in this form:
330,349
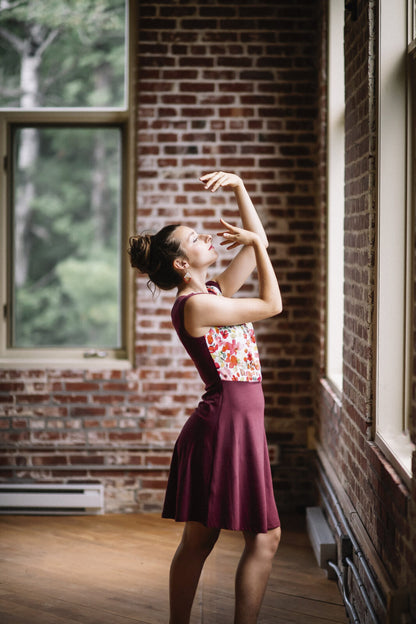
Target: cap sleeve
213,287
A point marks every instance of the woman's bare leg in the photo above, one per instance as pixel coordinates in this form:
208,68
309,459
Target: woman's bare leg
253,573
196,544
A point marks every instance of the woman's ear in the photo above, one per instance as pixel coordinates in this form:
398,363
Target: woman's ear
180,264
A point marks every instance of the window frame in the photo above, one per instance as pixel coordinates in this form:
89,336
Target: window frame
412,22
124,118
394,242
335,166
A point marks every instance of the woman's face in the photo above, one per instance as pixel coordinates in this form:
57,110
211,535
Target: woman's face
198,248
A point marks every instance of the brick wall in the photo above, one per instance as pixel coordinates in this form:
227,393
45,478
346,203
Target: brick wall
385,508
80,426
221,85
234,86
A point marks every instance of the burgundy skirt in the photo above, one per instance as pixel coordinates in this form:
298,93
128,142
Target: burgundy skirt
220,472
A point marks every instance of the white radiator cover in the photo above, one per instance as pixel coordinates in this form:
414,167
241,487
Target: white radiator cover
321,538
51,499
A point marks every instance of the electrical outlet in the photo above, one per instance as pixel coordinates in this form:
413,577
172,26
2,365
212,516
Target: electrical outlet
274,454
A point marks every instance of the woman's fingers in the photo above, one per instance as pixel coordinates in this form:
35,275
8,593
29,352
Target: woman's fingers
232,235
230,244
236,236
215,179
209,178
228,225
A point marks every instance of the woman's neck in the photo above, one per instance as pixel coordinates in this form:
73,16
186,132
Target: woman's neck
194,286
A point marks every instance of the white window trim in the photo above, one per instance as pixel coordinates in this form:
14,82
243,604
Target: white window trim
394,242
335,194
412,19
124,117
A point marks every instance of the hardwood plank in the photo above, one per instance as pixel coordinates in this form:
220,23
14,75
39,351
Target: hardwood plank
114,570
110,591
294,577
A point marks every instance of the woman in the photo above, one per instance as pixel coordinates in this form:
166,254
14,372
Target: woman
220,473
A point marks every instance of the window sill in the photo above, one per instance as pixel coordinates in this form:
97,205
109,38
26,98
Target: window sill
398,449
335,381
65,362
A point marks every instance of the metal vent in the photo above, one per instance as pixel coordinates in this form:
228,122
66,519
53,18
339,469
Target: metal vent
49,499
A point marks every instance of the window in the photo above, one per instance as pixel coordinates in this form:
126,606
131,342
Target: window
66,144
335,193
394,257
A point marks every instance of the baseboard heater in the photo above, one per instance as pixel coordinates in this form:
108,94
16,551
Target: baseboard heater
51,499
321,538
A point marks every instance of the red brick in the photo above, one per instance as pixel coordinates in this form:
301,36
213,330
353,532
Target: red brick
88,411
70,398
125,436
10,386
49,460
86,459
108,398
154,484
76,386
32,398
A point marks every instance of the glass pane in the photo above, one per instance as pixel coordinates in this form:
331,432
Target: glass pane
66,222
62,53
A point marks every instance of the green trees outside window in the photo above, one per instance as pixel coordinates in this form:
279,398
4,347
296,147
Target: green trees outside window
62,53
66,256
64,173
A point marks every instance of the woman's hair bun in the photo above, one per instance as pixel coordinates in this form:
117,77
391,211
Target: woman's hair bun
140,252
154,255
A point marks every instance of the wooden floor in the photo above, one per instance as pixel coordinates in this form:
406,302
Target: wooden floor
114,570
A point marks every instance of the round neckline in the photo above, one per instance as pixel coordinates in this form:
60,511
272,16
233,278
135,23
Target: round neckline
213,282
194,292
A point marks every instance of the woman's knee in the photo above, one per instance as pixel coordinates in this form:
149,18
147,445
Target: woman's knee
263,544
272,541
196,536
275,536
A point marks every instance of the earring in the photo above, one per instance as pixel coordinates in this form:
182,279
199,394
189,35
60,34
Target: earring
187,277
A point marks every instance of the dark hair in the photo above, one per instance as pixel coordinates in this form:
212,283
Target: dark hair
154,255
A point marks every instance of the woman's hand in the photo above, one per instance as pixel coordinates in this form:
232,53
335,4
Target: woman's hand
214,180
235,236
242,265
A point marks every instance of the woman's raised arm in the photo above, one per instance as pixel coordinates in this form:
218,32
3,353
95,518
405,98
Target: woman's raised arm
244,262
204,311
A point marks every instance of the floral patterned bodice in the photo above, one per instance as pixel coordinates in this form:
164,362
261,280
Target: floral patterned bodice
233,349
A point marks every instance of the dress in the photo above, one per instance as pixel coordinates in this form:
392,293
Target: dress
220,471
